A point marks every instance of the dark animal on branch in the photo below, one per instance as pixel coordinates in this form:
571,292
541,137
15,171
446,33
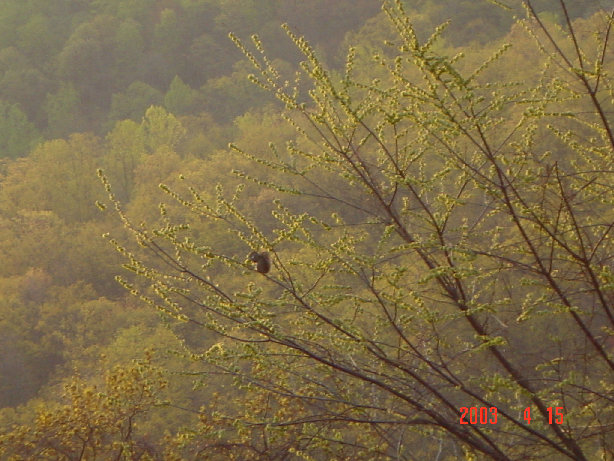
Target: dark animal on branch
262,260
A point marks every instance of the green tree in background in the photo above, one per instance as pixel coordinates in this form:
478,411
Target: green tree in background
63,111
17,134
180,98
87,59
129,48
133,102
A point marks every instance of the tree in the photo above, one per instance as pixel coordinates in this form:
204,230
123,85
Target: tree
453,291
22,84
180,98
87,59
93,424
59,171
17,134
64,113
129,49
133,102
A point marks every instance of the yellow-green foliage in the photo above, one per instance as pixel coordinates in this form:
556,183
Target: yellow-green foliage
437,208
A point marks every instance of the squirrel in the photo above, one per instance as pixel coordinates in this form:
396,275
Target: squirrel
262,260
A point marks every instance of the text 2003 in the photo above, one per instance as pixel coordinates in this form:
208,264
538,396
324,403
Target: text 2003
477,415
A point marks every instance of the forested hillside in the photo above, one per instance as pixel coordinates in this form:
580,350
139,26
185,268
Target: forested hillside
425,185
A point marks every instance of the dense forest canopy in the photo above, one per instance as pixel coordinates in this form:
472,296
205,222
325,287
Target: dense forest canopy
430,181
71,66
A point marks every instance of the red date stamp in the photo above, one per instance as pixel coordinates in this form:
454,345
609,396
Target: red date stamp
473,415
488,415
